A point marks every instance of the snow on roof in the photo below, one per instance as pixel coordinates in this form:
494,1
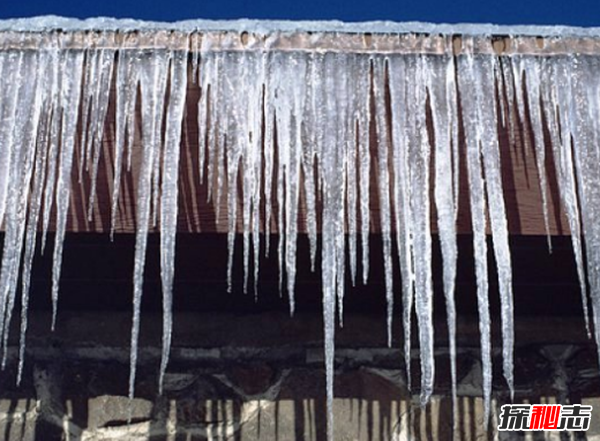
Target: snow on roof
50,22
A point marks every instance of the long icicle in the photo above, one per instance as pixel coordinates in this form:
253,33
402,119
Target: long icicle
468,65
383,147
152,74
440,79
70,94
419,157
399,78
169,195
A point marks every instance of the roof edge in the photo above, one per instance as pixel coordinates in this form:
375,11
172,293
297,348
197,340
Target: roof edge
264,27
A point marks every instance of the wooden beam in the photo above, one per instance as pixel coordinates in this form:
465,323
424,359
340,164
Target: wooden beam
369,43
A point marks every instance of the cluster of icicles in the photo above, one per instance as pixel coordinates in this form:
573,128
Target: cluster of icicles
283,123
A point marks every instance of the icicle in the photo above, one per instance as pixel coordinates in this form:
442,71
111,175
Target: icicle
497,215
282,124
203,112
22,148
168,200
126,95
5,64
13,155
470,68
289,105
211,83
563,163
98,116
244,136
298,69
452,102
342,121
56,115
10,64
255,139
483,159
532,67
331,164
578,89
70,94
90,85
309,147
350,172
194,43
152,74
399,81
511,107
440,82
246,130
268,151
419,158
32,224
220,150
231,147
363,102
383,146
517,72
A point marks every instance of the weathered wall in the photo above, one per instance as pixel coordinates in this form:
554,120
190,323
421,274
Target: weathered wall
261,377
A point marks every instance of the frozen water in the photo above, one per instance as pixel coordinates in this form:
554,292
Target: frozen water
51,22
282,133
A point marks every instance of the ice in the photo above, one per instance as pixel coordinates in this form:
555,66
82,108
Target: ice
330,162
532,67
266,27
284,134
483,160
268,155
308,156
563,163
168,199
363,117
41,144
287,90
24,125
152,74
441,87
233,144
98,116
577,89
256,70
11,65
383,147
497,215
470,87
399,82
126,96
56,75
419,160
69,106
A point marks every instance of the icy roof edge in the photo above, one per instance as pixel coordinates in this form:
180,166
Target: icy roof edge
49,23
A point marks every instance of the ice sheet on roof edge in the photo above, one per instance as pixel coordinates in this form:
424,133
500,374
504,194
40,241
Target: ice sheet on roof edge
52,22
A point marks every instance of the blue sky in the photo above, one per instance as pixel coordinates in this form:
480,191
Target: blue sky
579,13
